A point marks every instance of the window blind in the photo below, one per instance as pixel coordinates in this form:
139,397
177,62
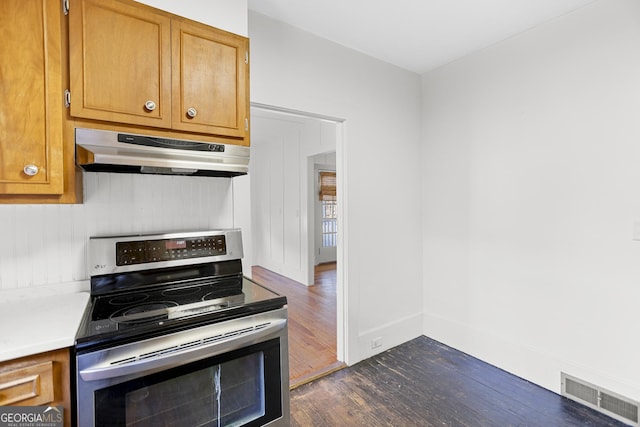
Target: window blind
327,186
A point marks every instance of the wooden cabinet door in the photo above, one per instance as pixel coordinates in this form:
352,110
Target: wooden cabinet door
210,80
40,379
120,62
31,99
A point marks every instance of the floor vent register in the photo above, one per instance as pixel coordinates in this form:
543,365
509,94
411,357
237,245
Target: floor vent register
607,402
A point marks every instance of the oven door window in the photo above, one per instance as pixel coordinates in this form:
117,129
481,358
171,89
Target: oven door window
241,388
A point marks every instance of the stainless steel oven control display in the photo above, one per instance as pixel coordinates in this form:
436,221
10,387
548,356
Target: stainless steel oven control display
144,251
122,254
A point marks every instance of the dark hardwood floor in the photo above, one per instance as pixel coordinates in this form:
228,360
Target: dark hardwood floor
312,321
420,383
425,383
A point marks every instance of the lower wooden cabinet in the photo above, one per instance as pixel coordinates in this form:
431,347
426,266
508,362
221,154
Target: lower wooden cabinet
41,379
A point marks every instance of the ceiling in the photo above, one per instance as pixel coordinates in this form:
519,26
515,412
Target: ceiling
417,35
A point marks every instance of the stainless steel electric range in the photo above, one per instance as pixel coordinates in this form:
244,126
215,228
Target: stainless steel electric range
175,335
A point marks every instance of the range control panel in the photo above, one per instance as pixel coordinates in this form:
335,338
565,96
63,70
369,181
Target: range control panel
144,251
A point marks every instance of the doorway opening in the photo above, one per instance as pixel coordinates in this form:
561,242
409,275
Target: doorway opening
297,236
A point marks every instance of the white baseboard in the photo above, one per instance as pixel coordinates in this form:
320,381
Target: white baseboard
389,335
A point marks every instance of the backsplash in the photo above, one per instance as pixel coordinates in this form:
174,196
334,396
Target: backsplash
47,244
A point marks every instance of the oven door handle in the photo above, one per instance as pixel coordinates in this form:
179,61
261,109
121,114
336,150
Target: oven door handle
177,357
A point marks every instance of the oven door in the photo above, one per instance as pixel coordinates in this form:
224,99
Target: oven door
232,373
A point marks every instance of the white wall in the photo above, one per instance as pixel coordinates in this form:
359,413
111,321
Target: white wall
381,221
46,244
531,188
276,191
228,15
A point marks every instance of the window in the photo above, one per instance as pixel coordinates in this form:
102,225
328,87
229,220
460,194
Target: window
329,223
329,209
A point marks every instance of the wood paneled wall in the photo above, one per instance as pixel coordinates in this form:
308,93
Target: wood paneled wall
47,244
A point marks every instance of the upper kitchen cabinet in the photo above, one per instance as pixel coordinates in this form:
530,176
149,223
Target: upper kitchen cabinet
137,65
120,63
31,98
210,80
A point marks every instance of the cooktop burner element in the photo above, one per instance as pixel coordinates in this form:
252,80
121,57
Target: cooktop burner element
142,312
143,284
195,290
128,299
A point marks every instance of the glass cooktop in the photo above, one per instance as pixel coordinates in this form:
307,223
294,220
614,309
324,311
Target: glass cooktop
149,311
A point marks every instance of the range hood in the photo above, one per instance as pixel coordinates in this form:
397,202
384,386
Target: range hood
108,151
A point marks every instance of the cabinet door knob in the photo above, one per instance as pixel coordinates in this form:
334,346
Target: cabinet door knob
31,170
192,112
150,105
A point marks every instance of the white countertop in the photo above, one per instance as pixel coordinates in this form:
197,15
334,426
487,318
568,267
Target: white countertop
35,325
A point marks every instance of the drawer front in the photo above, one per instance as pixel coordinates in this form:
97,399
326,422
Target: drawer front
31,385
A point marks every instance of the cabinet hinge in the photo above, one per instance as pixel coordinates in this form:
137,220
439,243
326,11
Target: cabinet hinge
65,6
246,57
67,98
246,124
